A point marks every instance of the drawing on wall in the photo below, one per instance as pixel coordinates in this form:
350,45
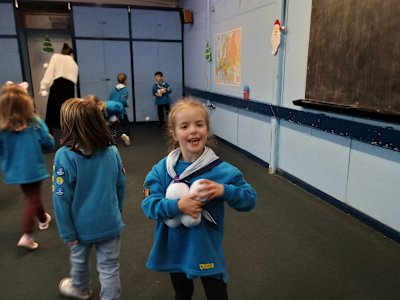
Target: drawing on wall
227,57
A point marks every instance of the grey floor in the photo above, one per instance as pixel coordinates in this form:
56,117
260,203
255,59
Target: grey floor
291,246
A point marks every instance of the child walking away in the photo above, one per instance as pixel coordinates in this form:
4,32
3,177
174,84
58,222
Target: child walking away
112,112
161,91
190,221
23,137
120,94
88,195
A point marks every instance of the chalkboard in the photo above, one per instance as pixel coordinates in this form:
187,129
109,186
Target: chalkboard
354,55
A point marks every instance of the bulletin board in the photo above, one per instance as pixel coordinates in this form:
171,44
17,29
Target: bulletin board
354,55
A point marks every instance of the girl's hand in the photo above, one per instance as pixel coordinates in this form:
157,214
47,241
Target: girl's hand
76,242
188,205
158,94
210,189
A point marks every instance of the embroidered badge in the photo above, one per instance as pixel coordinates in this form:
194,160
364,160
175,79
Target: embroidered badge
59,180
206,266
60,171
146,191
59,191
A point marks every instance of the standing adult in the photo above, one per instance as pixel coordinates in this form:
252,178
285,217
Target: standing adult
60,77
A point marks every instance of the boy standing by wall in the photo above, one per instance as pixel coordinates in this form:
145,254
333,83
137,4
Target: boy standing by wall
161,91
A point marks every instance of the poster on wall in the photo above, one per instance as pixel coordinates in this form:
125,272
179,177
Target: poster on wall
227,57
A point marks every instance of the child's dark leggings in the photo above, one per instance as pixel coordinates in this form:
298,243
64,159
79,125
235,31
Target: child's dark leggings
33,206
215,288
160,109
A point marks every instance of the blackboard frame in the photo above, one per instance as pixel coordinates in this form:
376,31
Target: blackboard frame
353,58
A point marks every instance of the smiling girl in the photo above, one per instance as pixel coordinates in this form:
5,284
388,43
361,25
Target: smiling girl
190,252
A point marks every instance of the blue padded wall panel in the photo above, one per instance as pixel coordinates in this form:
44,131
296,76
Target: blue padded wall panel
156,24
7,22
102,22
373,186
10,61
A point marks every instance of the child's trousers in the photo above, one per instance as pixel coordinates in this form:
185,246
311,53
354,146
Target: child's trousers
107,256
214,288
33,206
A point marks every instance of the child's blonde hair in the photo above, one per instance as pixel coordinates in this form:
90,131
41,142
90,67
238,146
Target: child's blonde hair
100,104
83,126
16,108
187,103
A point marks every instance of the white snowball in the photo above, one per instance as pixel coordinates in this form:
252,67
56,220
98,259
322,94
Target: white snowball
194,189
43,93
45,65
177,190
147,118
188,221
174,222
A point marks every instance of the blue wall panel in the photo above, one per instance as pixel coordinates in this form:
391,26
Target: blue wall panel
197,69
318,158
224,123
7,22
10,61
374,183
156,24
104,22
297,31
254,134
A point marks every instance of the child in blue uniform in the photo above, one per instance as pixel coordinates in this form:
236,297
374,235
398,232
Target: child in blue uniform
23,137
88,195
112,111
161,91
120,94
190,252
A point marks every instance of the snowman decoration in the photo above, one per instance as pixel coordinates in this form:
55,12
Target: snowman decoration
276,36
176,190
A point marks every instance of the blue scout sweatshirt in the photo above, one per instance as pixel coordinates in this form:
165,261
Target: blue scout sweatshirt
88,194
114,108
21,153
196,251
120,94
164,99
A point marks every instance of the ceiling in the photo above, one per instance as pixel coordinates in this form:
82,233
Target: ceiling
154,3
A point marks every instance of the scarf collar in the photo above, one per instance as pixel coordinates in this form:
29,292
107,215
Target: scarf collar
207,157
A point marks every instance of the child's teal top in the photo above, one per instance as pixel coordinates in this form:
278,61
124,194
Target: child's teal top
196,251
22,159
88,194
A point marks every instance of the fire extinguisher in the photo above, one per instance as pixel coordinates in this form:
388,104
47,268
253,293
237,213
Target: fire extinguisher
246,92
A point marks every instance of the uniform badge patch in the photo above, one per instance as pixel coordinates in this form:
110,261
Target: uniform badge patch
60,171
59,191
146,191
207,266
59,180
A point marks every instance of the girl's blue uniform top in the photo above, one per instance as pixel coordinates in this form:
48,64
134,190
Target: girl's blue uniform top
120,94
195,251
88,194
21,153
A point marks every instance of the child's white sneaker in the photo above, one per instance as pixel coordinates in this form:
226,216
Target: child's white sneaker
126,139
26,241
67,288
45,225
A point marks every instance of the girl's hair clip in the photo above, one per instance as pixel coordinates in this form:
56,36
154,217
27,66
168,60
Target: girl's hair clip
23,84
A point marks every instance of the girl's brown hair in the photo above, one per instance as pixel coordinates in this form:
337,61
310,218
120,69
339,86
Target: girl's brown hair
83,126
187,103
16,108
100,104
